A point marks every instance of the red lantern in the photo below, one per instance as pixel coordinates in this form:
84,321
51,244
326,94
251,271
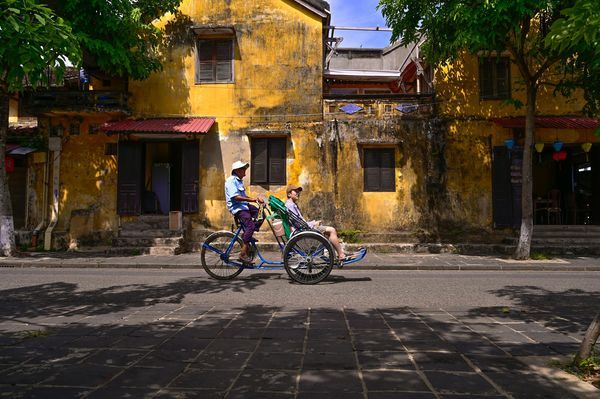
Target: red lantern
559,155
9,163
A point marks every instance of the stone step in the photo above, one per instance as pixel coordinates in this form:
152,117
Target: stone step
147,222
151,233
566,234
539,228
148,241
134,251
557,250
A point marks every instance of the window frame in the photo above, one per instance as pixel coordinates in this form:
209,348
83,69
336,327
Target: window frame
489,66
270,143
197,77
382,186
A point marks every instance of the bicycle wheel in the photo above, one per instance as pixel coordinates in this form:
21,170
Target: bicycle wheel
216,245
308,257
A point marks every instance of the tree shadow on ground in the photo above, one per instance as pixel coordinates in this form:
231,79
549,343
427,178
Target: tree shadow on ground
194,350
566,311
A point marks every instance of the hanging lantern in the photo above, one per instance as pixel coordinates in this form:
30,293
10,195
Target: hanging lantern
559,155
509,143
539,147
586,148
558,145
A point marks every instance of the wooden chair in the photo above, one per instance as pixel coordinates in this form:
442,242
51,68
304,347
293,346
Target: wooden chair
554,210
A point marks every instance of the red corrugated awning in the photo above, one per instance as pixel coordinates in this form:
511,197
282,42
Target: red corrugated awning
546,122
170,125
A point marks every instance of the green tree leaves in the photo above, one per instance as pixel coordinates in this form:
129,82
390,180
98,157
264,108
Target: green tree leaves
32,39
118,36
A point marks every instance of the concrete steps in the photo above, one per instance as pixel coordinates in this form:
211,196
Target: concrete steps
148,235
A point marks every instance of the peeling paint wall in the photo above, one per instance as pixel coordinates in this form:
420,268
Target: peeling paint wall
88,181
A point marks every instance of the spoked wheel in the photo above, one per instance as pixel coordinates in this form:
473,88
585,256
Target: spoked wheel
212,253
308,257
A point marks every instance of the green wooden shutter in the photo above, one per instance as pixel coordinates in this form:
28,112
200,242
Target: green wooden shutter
387,169
224,61
486,83
502,78
205,69
371,170
277,162
259,163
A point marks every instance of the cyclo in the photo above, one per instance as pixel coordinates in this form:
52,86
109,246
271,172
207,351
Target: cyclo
307,255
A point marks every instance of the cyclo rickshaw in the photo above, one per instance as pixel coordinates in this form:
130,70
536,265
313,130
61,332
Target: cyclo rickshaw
307,255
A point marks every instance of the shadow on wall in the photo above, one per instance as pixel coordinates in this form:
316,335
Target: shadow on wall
167,92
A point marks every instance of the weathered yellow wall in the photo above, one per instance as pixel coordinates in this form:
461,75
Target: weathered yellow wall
277,87
88,181
457,84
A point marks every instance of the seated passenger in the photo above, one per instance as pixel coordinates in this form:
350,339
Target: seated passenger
293,195
237,203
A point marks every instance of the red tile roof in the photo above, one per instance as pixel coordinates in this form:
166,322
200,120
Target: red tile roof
549,122
171,125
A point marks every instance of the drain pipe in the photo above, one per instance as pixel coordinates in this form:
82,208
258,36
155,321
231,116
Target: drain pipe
42,223
54,144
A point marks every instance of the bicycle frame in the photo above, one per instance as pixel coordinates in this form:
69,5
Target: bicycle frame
264,264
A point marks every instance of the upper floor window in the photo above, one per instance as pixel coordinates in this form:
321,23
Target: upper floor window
268,161
379,169
214,62
494,78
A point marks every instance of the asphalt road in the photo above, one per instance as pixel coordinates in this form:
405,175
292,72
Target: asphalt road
352,289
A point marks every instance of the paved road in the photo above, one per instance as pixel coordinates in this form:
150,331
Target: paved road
113,333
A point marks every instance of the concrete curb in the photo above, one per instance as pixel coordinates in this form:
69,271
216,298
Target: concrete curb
541,365
95,264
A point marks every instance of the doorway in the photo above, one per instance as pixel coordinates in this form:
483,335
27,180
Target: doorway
157,177
565,190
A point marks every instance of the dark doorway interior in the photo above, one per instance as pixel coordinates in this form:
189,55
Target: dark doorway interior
162,177
156,177
565,192
17,183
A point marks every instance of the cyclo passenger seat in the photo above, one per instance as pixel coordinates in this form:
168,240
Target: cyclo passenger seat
278,207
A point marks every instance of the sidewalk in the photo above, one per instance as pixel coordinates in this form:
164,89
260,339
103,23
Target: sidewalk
373,261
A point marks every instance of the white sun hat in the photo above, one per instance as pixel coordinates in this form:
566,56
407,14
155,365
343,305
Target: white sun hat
239,165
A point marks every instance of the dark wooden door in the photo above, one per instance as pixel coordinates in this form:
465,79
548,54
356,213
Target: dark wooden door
190,166
516,183
130,179
595,203
502,196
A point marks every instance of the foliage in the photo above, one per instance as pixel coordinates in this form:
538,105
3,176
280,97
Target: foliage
587,369
453,26
33,38
118,36
350,236
577,35
540,256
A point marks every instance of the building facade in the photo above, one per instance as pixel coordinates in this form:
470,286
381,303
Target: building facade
379,142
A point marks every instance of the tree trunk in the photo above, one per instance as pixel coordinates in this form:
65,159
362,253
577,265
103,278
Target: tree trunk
589,340
524,246
7,228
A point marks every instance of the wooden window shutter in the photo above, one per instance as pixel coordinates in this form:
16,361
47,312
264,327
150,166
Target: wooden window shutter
277,163
204,61
502,78
224,61
259,162
371,170
486,82
387,170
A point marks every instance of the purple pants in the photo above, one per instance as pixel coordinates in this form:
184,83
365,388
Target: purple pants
247,222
